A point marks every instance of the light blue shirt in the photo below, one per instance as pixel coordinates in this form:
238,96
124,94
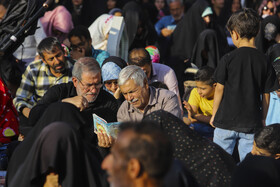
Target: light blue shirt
273,110
164,22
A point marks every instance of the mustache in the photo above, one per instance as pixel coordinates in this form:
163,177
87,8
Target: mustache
133,100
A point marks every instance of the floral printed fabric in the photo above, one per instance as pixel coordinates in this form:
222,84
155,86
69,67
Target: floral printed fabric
8,115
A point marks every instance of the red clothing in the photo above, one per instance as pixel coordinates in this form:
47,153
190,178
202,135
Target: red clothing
8,115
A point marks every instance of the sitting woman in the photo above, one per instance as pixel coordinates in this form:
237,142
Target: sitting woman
111,69
59,157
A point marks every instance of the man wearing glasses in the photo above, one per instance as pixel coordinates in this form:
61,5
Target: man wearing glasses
39,76
80,45
85,92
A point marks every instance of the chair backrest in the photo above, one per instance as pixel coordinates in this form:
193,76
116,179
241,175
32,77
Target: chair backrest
118,40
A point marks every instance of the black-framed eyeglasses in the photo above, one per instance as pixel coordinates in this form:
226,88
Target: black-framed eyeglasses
89,87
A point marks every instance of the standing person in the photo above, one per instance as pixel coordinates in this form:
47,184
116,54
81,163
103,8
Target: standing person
242,76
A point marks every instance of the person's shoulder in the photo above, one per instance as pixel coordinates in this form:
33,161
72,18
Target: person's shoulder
162,68
35,65
165,19
101,52
63,86
163,93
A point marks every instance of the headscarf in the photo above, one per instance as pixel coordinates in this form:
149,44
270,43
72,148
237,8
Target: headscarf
270,27
207,162
99,30
134,14
207,44
187,30
154,53
58,111
257,171
111,69
58,19
61,148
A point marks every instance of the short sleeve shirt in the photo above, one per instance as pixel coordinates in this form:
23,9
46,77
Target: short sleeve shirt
204,105
246,75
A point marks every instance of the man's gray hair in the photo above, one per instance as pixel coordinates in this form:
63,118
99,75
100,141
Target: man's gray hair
132,72
171,1
85,64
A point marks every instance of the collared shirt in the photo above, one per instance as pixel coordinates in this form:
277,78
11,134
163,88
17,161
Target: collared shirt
99,55
36,80
160,99
164,22
166,75
273,110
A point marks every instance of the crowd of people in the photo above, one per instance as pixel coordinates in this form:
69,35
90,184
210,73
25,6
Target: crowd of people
221,130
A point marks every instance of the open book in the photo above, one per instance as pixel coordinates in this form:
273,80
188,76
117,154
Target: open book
101,125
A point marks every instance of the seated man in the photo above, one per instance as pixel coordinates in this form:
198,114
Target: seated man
39,76
155,72
85,92
142,99
127,164
80,41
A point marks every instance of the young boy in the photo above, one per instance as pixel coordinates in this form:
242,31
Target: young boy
244,80
200,104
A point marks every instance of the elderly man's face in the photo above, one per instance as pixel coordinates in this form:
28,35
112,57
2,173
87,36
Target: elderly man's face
116,165
136,95
176,9
89,86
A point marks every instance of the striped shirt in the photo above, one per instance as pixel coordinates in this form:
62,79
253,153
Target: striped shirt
35,82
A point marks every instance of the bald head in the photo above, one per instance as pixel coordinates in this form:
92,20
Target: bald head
139,57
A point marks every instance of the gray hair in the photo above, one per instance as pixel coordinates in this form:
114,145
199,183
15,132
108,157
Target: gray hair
85,64
132,72
171,1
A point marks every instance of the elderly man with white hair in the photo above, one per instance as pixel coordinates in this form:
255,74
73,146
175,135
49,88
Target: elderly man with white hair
142,99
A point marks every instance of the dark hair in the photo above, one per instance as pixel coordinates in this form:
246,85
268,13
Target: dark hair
81,32
158,84
5,3
139,57
49,44
205,75
268,138
150,146
245,22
